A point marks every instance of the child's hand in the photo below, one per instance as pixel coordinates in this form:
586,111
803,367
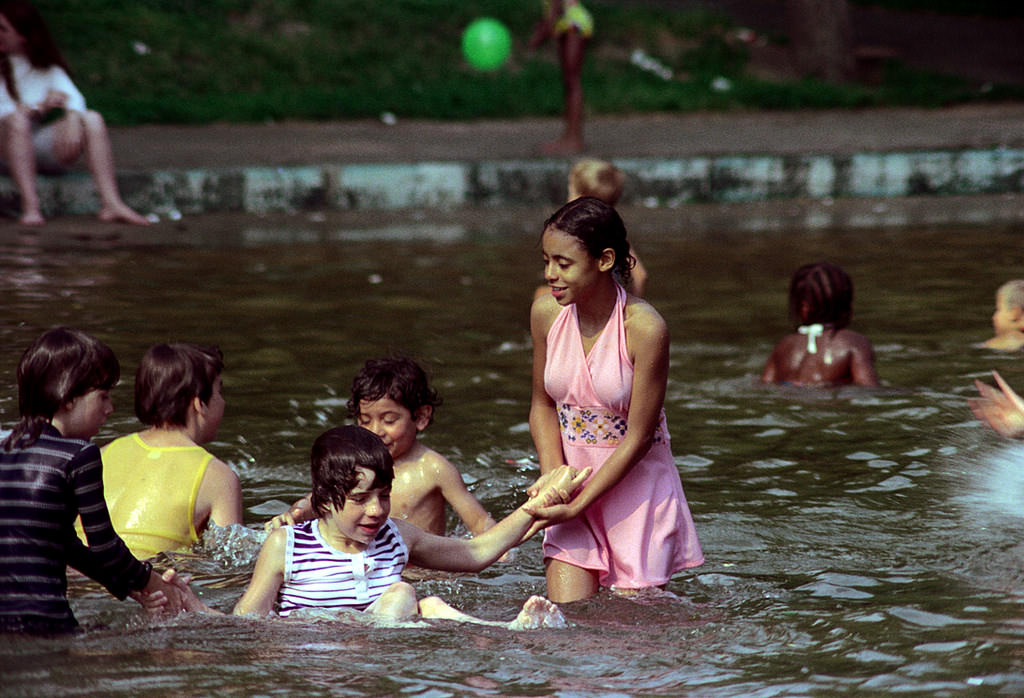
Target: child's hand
543,481
171,595
555,492
301,510
162,594
286,519
1002,411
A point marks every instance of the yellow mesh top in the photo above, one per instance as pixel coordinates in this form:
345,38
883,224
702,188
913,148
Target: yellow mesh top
151,493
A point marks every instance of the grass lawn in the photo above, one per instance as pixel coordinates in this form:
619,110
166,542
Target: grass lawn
194,61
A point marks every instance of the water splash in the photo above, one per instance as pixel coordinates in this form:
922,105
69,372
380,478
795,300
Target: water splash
233,546
996,481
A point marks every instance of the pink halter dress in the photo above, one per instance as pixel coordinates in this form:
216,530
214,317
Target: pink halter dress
639,532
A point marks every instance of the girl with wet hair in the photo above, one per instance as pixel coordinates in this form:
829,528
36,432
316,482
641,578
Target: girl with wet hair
600,372
821,351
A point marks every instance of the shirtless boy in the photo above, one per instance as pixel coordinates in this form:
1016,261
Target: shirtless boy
392,398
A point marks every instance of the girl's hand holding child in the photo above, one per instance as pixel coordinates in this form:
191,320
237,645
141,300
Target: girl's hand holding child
550,495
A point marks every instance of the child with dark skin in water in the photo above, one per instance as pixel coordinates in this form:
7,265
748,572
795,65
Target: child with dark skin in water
822,351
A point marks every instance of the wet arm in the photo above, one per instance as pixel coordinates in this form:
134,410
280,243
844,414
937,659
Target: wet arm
267,577
650,377
862,364
106,559
465,554
544,429
220,493
460,499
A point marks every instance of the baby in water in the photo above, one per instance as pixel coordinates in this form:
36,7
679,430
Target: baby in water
822,351
1008,318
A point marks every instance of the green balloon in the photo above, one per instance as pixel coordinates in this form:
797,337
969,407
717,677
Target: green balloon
486,43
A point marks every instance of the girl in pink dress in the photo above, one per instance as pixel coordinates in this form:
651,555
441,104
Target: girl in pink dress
595,348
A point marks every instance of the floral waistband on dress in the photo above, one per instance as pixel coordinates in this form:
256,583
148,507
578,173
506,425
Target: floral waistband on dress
594,426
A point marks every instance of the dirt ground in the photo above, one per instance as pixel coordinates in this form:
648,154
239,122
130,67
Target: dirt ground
982,49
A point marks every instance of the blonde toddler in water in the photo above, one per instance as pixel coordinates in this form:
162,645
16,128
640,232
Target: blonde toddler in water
822,351
392,398
602,180
1008,319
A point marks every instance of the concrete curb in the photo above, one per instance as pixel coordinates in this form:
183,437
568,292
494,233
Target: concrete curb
651,182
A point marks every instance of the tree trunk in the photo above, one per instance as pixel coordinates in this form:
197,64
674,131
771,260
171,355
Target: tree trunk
819,31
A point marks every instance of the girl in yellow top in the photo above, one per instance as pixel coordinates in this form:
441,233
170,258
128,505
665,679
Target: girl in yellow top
570,23
161,486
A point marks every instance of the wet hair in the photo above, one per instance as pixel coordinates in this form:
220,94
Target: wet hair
597,178
170,376
335,460
398,378
60,365
1012,293
826,291
598,227
40,48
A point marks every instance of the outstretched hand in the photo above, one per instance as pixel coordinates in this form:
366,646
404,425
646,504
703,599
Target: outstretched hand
169,593
550,496
1002,411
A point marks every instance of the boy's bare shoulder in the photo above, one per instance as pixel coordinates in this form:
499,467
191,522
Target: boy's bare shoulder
424,460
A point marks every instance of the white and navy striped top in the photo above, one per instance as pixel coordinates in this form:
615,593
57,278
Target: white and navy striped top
319,576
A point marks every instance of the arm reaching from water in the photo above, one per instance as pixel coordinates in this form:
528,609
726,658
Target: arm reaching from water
267,578
1002,411
474,554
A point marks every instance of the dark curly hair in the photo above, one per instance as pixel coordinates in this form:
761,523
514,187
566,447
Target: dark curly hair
398,378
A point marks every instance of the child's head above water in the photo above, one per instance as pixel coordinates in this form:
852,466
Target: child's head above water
597,227
336,458
399,379
597,178
821,293
61,365
170,376
1011,295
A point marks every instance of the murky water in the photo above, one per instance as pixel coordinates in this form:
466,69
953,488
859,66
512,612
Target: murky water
857,541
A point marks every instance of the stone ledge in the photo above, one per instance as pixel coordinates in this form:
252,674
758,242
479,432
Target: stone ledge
651,182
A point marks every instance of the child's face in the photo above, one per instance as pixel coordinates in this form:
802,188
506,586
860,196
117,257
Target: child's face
568,268
83,416
365,511
212,413
393,423
1006,318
